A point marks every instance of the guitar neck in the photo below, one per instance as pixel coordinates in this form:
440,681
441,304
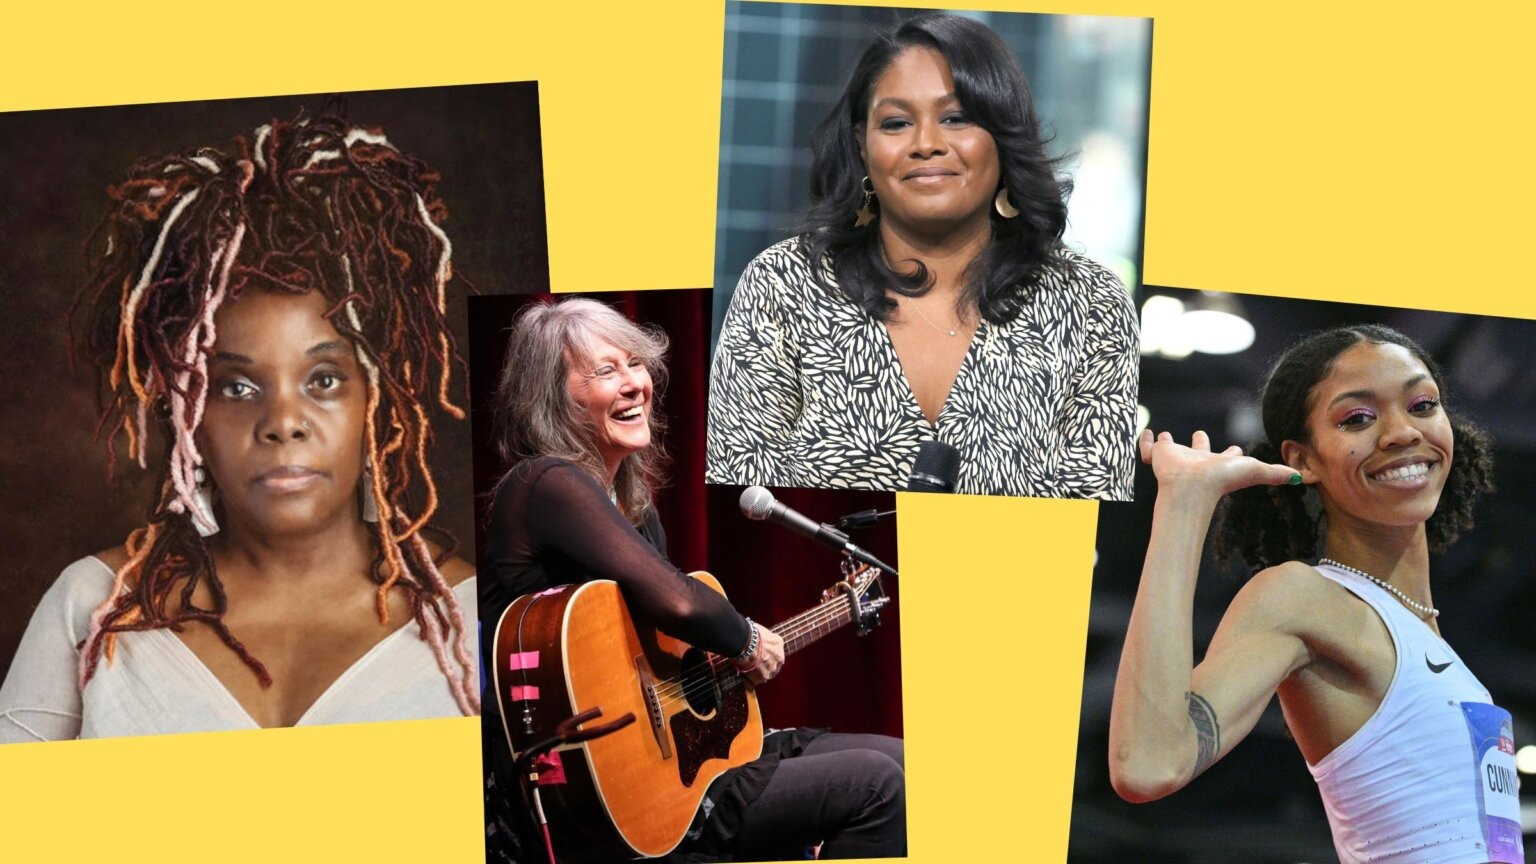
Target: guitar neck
812,624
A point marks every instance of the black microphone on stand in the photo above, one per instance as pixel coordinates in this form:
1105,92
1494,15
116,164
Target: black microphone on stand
759,504
936,468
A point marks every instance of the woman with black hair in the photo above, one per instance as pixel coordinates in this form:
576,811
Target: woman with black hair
928,296
1413,761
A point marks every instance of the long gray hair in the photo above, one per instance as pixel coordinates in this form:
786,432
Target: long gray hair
535,414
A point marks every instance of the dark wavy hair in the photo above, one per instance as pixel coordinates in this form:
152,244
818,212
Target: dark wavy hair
1267,525
995,95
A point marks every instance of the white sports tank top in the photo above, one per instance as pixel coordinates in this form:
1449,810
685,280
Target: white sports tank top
1430,777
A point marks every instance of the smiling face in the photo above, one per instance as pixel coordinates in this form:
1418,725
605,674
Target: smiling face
1380,443
283,430
934,170
612,389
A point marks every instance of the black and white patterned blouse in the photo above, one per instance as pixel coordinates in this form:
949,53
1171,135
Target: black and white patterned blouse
807,390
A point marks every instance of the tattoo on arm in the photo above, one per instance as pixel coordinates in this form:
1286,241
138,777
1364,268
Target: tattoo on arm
1207,731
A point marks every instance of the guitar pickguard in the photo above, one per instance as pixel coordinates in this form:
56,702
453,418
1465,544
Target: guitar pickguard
701,739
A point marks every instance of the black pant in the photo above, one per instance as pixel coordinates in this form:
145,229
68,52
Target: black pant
846,793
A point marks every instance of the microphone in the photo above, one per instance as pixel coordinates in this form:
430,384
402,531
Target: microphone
759,504
936,468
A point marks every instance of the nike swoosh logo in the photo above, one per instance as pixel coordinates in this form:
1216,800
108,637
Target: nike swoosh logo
1437,668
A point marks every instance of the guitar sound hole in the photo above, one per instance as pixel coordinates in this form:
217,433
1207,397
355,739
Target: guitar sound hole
699,685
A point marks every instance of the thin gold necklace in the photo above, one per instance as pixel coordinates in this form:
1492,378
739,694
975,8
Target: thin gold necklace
912,301
915,308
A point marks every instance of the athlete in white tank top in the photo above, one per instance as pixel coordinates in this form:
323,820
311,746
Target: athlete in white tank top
1430,777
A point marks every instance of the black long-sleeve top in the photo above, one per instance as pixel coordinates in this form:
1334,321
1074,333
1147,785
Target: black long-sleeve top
552,524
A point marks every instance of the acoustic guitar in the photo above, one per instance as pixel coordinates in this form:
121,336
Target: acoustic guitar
633,793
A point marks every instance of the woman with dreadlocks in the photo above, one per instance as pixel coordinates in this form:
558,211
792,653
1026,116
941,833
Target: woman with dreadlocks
269,326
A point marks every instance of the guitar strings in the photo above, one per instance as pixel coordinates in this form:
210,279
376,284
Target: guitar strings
795,630
806,623
835,612
725,677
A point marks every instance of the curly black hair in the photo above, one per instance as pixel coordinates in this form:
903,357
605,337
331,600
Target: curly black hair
1267,525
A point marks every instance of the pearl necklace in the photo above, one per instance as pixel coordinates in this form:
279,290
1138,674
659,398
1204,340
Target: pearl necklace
1416,606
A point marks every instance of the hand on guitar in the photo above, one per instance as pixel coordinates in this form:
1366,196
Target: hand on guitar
766,660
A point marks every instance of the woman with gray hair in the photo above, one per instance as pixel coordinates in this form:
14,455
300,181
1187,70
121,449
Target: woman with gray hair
577,421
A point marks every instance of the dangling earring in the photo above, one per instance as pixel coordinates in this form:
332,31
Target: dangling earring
370,507
202,499
866,215
1003,206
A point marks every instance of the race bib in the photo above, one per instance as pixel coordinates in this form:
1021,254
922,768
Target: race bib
1493,752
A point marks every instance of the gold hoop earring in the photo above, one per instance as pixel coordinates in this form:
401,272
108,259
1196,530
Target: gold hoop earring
1003,206
865,215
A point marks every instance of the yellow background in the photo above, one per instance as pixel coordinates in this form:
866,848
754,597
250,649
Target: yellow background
1378,155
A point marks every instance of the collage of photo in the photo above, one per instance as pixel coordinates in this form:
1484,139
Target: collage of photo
339,454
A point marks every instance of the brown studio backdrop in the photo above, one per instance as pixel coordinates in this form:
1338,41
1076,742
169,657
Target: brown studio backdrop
55,167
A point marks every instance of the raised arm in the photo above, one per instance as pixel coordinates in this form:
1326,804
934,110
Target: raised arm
1098,423
754,386
1171,720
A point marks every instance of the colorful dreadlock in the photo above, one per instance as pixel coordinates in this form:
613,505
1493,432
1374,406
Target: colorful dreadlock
311,205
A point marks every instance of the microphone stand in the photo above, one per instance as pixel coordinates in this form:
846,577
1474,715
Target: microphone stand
856,553
863,519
